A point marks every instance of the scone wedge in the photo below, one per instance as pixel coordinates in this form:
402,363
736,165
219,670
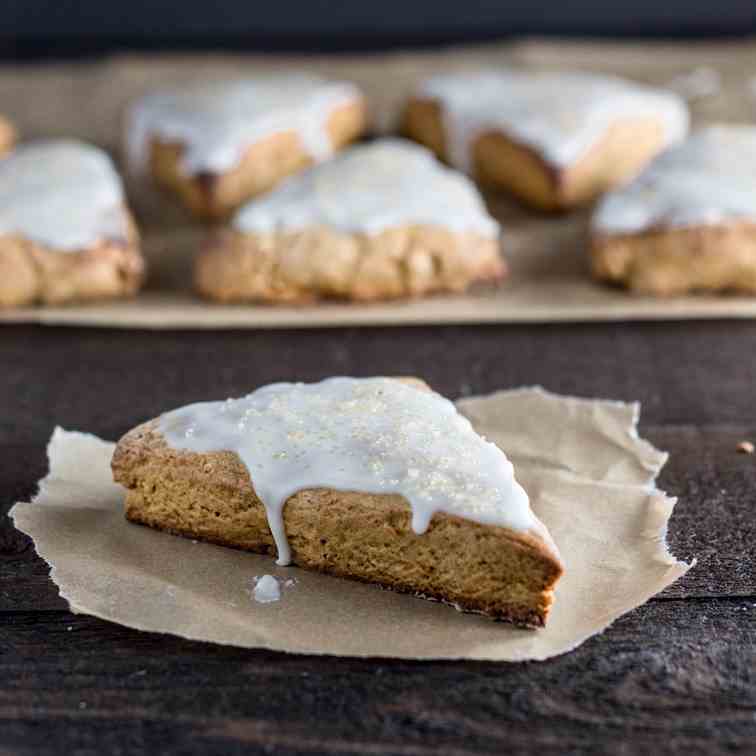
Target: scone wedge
66,233
380,221
554,140
350,477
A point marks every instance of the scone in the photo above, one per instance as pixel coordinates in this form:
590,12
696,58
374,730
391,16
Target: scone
7,136
688,223
554,140
219,143
380,221
374,479
65,232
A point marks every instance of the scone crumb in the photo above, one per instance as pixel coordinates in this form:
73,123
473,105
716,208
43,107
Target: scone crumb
746,447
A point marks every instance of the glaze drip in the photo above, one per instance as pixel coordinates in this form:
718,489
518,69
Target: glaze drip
372,435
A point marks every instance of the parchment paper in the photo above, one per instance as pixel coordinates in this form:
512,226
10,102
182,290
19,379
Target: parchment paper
549,280
590,478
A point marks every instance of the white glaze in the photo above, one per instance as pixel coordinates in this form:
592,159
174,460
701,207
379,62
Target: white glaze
369,188
217,121
708,179
560,115
266,590
62,194
372,435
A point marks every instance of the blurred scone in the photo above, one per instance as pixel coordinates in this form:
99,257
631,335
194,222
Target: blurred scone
219,143
687,223
7,136
65,231
380,221
554,140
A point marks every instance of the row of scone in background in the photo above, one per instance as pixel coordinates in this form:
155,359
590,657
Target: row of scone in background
386,219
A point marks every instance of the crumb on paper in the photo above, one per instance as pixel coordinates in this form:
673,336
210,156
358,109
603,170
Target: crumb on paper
746,447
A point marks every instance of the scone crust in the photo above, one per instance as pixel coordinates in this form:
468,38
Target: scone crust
323,263
674,261
354,535
8,136
31,273
264,164
499,161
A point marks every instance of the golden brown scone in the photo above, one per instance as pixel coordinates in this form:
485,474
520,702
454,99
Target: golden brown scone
506,574
384,220
216,145
498,157
8,136
688,223
66,234
321,263
34,274
671,262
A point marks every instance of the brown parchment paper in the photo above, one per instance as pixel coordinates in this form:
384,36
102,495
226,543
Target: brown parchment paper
590,478
549,274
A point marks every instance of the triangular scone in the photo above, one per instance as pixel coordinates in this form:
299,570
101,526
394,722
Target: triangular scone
65,231
218,143
375,479
554,140
379,221
688,222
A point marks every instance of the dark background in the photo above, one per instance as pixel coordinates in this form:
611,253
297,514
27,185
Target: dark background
65,28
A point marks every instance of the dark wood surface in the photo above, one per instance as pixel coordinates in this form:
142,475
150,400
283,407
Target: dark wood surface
677,675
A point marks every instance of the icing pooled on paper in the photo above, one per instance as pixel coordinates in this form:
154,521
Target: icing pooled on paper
561,115
369,188
217,121
266,590
62,194
372,435
710,178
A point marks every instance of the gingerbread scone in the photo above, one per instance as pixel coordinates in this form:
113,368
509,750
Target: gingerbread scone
554,140
218,144
8,136
372,479
65,231
380,221
688,223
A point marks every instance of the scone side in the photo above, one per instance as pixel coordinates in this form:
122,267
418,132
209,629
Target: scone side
674,261
323,263
31,273
358,536
8,136
263,165
500,161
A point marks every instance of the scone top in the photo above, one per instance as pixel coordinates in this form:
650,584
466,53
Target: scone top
62,194
216,121
559,115
389,183
372,435
708,179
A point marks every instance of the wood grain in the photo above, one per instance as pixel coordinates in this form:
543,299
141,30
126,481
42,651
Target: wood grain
675,676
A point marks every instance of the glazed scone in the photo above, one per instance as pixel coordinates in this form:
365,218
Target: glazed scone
8,136
374,479
217,144
688,223
554,140
380,221
66,234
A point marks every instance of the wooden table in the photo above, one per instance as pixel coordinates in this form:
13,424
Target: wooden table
677,675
